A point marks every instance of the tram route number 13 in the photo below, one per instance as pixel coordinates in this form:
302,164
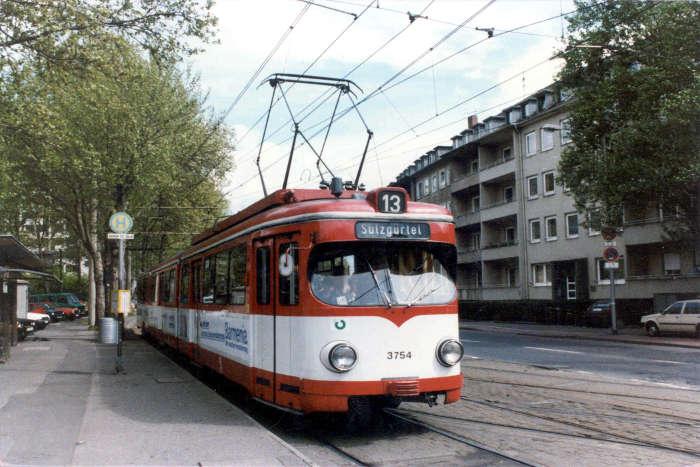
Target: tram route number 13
401,355
392,201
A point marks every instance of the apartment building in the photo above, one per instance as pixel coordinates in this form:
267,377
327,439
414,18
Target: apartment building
523,249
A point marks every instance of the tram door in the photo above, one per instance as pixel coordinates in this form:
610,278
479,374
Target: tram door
276,299
196,297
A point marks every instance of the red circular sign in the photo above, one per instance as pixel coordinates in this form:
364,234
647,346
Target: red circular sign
611,254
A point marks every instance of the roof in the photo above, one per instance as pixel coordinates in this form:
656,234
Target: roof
15,255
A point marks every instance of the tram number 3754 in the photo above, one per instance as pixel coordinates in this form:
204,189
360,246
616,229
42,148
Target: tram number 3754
392,201
400,355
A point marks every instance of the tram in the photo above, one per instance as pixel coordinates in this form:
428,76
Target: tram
328,300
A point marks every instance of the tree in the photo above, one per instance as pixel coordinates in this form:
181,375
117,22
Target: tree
632,67
126,133
56,31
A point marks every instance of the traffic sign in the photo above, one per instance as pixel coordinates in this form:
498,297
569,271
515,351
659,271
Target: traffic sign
121,222
608,233
612,265
611,243
119,236
611,254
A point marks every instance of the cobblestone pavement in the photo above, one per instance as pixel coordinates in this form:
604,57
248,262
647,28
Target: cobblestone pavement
554,417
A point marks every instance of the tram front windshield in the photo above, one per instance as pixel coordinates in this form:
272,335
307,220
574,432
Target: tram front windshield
382,273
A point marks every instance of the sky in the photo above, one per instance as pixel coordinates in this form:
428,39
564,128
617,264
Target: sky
447,67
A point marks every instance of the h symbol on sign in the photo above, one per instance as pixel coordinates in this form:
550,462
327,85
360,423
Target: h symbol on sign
120,221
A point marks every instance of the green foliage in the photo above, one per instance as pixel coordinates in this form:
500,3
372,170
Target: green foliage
56,31
632,66
75,139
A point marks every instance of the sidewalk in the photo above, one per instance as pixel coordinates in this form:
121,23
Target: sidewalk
61,403
629,335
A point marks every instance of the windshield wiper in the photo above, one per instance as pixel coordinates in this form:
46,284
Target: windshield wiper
376,284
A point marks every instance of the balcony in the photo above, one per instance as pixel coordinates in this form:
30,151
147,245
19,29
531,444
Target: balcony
498,210
500,292
465,218
643,232
496,169
464,182
648,285
469,294
500,251
468,256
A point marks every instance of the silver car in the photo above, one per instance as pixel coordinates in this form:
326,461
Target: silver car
683,316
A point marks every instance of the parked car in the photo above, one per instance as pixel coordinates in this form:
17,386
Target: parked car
683,316
598,314
24,328
53,313
40,320
61,300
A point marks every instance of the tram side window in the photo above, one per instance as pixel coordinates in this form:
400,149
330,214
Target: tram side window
208,280
185,283
289,280
221,278
236,274
197,282
171,286
166,282
262,266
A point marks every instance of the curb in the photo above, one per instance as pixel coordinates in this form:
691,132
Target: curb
583,337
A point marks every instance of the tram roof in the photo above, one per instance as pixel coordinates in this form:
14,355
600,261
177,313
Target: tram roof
295,201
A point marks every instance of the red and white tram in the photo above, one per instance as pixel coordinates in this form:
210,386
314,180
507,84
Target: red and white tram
316,301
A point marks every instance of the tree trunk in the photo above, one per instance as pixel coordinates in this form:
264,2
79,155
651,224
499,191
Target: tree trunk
91,291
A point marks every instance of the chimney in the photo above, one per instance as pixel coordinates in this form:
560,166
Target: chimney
472,120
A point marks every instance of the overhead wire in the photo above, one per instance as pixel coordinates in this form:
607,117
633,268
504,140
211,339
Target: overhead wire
267,59
318,57
326,93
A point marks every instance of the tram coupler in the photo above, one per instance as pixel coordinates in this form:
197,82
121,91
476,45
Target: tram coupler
431,399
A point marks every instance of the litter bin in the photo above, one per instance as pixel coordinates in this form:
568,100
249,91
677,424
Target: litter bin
109,331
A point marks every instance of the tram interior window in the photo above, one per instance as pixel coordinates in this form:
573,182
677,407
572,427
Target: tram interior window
208,282
197,282
289,284
185,283
221,278
236,274
262,266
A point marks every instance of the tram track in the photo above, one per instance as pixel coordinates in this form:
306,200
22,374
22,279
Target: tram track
630,440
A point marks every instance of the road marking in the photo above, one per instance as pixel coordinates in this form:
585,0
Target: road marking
472,357
553,350
668,361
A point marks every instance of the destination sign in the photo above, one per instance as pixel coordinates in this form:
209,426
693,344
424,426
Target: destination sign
393,230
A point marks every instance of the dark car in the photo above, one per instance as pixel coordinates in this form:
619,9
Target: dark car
598,314
24,328
54,314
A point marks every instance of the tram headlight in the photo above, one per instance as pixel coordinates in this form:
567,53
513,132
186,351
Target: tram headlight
342,357
450,352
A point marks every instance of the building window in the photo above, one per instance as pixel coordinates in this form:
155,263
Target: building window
476,201
565,132
531,143
604,273
434,185
419,190
672,263
510,235
511,277
535,231
572,225
594,222
426,186
508,194
550,225
507,154
533,188
443,179
548,182
541,275
476,241
475,166
547,138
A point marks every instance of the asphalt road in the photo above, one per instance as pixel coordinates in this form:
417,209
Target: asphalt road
669,365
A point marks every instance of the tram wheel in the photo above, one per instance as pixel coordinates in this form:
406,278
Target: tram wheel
360,414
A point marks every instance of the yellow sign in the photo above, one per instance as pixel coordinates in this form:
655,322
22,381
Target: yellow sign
123,301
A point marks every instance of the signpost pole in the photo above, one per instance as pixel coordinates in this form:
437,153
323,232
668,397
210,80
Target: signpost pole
121,223
120,315
613,312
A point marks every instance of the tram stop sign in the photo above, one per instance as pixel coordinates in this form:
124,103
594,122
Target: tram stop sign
121,222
